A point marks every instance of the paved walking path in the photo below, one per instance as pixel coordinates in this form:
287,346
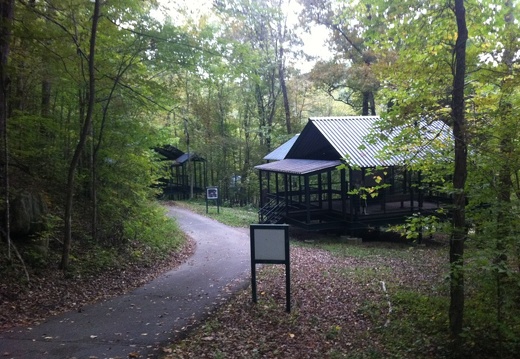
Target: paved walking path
138,324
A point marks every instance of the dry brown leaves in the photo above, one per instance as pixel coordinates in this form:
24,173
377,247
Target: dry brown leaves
332,315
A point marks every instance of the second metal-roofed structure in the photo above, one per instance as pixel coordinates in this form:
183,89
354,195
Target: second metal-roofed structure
310,189
187,174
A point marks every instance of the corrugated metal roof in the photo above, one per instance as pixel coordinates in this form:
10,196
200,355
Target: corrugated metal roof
298,166
280,153
187,156
348,135
326,140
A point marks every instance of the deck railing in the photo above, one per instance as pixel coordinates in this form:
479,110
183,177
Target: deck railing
272,212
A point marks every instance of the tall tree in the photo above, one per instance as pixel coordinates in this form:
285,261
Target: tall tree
348,76
282,38
85,130
495,103
263,26
430,85
6,22
459,175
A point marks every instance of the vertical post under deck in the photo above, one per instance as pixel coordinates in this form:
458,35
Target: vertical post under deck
307,198
344,192
329,191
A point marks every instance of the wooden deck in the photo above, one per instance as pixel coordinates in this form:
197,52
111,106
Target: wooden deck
329,215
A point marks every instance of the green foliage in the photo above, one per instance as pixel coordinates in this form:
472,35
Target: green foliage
223,80
417,225
35,256
150,227
94,260
366,192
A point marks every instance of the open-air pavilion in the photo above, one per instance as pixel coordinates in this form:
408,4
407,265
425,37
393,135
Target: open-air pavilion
187,173
331,177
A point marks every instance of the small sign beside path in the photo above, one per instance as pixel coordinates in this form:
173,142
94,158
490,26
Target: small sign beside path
270,244
212,194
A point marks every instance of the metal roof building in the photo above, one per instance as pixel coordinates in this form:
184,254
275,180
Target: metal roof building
352,139
325,141
183,180
306,185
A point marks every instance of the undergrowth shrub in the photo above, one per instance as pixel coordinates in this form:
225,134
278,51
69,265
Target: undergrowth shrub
154,230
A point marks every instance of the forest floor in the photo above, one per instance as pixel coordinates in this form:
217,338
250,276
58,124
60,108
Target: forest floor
345,303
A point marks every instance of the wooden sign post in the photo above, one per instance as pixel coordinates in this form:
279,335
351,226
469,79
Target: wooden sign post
270,244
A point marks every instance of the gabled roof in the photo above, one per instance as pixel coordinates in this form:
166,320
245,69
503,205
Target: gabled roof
332,138
187,157
346,138
280,153
169,151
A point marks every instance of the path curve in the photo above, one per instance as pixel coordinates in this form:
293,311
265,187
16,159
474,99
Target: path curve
139,323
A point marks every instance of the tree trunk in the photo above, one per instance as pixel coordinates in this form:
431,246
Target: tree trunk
97,146
46,98
281,76
372,104
265,139
369,105
82,140
7,13
456,311
505,182
283,87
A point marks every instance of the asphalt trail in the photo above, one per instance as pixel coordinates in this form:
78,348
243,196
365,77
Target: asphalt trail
139,323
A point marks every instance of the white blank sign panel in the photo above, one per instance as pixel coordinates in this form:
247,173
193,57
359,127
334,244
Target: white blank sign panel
269,244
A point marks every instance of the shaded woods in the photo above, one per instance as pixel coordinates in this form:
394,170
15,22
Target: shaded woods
88,89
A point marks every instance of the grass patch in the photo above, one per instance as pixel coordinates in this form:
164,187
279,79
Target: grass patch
417,325
363,250
231,216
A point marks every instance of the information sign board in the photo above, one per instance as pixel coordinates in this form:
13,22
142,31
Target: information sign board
270,244
212,194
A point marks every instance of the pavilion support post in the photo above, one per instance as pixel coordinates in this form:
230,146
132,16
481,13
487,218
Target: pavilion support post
277,189
195,176
300,186
184,182
205,175
267,185
364,203
286,186
344,190
420,193
405,186
411,191
329,190
307,198
291,187
351,187
320,190
260,185
201,177
383,194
